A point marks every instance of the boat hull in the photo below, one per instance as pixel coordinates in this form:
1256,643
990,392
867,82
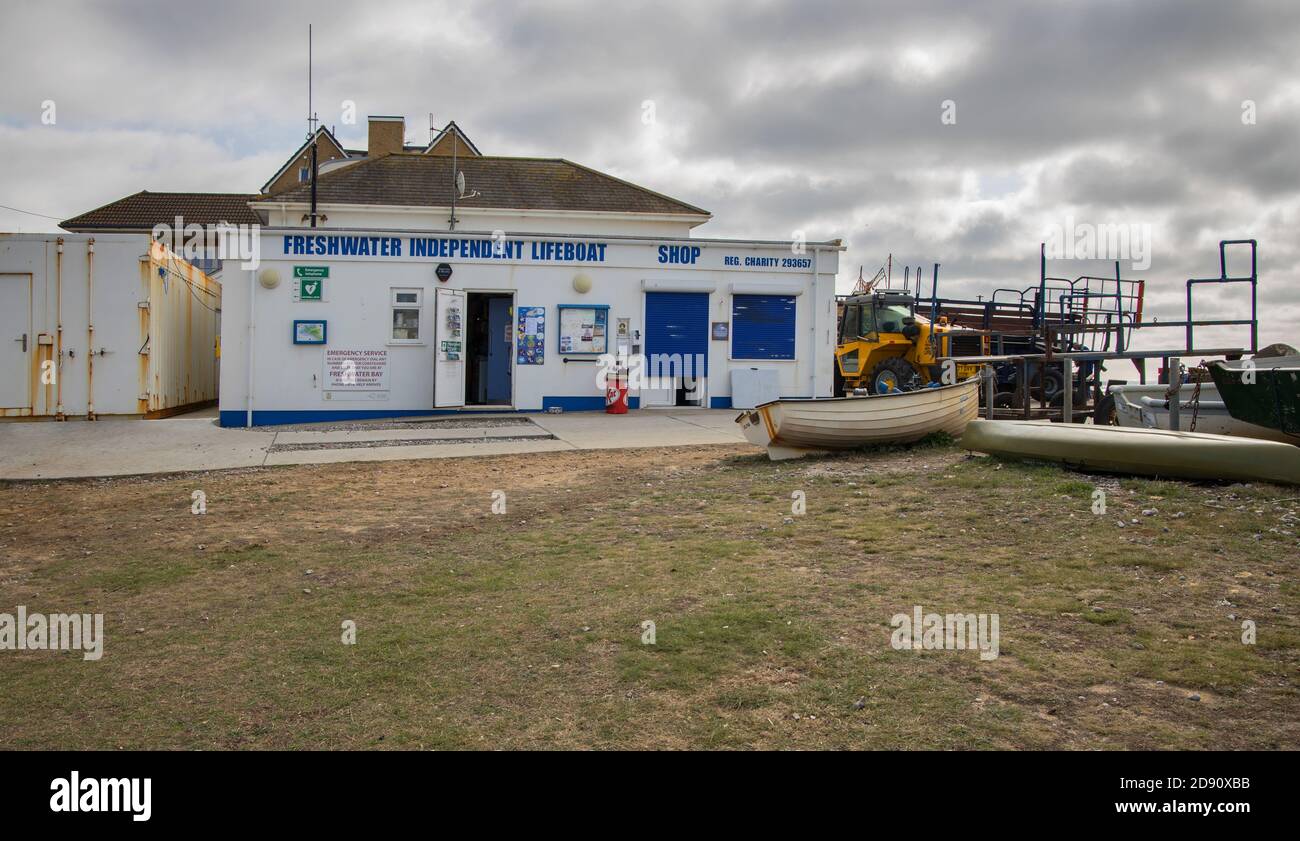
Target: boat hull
790,428
1144,452
1265,392
1212,416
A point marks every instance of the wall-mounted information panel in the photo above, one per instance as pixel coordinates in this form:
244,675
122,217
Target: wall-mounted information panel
584,329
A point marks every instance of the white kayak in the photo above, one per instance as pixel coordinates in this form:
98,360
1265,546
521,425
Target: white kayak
792,428
1145,452
1146,407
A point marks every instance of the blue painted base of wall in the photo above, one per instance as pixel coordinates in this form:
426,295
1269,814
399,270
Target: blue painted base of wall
584,404
268,417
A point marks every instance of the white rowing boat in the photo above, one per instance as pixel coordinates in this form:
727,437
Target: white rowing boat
1144,452
793,428
1146,407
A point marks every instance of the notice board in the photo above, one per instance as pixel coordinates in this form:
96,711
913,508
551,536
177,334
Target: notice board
584,329
531,344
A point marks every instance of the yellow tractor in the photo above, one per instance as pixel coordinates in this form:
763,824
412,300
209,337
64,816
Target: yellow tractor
884,346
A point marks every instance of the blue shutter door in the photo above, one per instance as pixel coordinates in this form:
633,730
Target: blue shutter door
762,327
677,322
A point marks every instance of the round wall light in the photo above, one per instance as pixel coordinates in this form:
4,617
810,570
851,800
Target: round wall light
269,278
581,284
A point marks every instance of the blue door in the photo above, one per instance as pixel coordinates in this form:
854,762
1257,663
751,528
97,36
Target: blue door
498,355
677,336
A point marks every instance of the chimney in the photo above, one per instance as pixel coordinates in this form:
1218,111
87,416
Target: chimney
387,134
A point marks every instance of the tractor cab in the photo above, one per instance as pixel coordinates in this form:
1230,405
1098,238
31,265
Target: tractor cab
879,312
894,313
878,343
883,346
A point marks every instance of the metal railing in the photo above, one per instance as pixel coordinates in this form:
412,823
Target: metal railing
1223,278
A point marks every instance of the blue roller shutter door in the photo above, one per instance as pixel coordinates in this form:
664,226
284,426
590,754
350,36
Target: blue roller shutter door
762,327
677,323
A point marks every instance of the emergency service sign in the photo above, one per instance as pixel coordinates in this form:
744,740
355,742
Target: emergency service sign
355,374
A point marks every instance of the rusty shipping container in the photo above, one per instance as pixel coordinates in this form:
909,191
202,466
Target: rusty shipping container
111,324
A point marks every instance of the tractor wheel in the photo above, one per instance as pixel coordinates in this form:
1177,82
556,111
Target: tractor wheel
837,389
1104,414
1004,399
1047,382
893,374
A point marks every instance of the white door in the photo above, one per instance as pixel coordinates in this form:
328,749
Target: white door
449,349
16,341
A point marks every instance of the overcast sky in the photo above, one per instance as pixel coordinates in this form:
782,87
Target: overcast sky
954,132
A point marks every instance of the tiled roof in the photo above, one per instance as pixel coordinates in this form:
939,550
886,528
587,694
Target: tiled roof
319,133
459,133
502,183
144,209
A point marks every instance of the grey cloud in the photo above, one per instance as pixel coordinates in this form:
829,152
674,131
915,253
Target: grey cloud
781,116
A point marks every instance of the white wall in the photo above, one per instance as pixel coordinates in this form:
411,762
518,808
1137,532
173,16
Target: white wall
288,377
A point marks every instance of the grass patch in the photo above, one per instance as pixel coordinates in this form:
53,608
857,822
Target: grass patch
695,648
523,630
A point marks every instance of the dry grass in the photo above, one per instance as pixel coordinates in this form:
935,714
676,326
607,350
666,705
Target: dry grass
523,630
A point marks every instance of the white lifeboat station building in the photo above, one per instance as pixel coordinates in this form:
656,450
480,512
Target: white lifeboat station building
437,279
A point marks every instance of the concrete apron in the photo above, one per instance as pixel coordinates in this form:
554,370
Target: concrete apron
77,449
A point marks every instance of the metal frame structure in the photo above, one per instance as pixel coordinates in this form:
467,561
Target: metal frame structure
1062,314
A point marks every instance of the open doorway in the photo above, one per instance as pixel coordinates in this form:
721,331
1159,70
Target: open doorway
489,342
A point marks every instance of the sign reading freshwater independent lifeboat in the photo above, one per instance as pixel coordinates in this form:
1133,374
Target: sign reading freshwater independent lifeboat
355,374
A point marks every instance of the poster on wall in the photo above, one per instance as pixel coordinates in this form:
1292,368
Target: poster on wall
355,374
532,336
584,329
309,331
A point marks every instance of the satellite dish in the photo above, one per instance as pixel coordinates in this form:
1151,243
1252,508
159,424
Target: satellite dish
460,187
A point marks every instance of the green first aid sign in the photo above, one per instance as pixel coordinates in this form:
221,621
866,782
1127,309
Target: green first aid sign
310,290
311,271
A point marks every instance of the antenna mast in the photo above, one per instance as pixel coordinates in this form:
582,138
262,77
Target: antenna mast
453,182
311,130
309,119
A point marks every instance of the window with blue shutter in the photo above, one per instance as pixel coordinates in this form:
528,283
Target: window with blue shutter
762,327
